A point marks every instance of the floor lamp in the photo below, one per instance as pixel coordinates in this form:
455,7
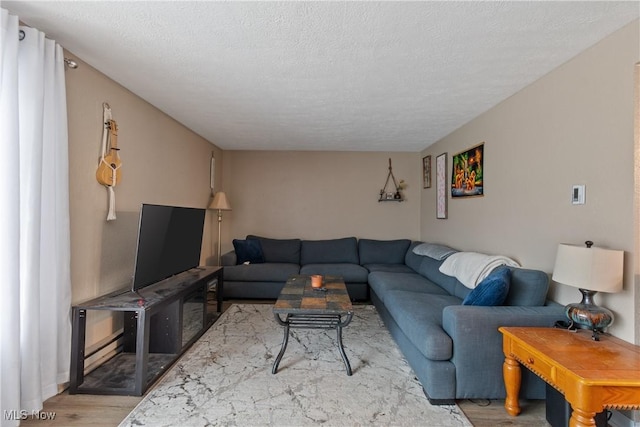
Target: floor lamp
220,203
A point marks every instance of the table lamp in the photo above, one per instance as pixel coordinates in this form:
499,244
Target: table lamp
220,203
591,270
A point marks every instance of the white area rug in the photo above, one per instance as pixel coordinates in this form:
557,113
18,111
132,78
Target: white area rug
225,378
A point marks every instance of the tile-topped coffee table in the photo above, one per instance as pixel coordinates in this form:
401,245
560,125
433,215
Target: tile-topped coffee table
305,307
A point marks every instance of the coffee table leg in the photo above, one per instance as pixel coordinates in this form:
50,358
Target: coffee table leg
342,353
285,340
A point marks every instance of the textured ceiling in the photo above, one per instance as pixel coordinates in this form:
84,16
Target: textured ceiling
361,76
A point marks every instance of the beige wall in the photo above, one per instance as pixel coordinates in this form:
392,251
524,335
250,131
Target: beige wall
573,126
163,163
319,195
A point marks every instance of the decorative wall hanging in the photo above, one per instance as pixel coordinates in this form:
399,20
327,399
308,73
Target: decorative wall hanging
109,171
467,173
441,186
426,172
396,194
212,173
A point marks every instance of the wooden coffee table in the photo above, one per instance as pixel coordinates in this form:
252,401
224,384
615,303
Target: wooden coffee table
592,375
305,307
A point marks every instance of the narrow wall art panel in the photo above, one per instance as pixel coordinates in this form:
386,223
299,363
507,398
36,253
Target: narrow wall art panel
441,186
426,172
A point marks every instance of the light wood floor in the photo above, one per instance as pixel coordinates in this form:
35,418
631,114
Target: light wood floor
108,411
491,413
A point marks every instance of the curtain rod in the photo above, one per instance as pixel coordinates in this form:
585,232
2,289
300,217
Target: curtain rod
68,61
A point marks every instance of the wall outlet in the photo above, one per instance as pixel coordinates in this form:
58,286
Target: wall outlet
577,195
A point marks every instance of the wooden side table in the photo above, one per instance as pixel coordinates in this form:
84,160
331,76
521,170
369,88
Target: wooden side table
592,375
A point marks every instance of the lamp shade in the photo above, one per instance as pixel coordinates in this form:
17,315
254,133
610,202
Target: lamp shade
220,202
595,269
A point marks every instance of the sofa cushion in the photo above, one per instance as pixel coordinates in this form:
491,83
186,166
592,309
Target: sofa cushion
279,250
350,273
253,290
433,250
412,259
248,250
492,290
381,282
391,268
528,287
430,268
419,315
382,251
267,272
229,258
329,251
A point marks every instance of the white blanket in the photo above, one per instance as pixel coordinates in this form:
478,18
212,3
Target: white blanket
471,267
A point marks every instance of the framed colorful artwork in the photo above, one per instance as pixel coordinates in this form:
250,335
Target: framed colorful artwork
467,173
426,172
441,186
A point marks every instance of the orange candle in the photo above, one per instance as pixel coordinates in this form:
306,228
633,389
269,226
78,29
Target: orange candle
316,281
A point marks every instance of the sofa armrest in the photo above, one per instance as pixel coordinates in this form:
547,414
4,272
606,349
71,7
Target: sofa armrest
461,320
473,329
228,259
477,343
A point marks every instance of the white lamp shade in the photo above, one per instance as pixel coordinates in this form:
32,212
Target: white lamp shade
220,202
595,269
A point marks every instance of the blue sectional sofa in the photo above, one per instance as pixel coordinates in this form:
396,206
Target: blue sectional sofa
285,257
455,350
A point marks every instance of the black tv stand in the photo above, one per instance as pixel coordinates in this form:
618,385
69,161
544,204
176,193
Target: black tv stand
160,322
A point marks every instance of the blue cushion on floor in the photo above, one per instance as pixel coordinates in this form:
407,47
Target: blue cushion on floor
492,290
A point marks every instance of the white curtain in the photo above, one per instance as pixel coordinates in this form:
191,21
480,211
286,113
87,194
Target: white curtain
35,286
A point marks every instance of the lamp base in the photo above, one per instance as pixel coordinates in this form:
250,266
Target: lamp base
588,315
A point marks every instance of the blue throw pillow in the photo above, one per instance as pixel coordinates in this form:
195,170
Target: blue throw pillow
248,250
492,290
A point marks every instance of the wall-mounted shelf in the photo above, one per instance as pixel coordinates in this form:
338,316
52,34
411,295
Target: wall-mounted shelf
391,196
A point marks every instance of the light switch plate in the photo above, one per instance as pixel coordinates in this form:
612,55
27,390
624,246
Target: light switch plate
577,195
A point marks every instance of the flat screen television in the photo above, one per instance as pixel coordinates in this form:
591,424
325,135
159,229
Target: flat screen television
169,243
